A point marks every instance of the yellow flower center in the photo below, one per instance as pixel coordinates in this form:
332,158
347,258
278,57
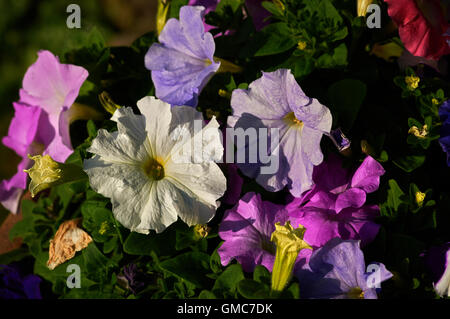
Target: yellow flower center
412,82
356,293
291,120
103,228
153,169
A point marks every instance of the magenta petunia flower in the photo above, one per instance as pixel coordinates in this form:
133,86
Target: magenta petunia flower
183,62
53,87
246,230
41,120
335,206
275,103
338,271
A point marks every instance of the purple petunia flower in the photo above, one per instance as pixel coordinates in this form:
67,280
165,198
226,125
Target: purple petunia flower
183,62
335,206
276,103
40,124
15,286
437,260
444,113
338,271
246,230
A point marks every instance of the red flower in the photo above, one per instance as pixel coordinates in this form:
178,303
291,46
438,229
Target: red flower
422,26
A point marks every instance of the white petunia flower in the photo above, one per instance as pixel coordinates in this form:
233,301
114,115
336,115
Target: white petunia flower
147,170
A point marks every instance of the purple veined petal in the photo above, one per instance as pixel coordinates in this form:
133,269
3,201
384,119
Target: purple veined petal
50,84
266,97
11,190
31,287
367,176
188,35
314,115
178,77
23,128
353,197
310,140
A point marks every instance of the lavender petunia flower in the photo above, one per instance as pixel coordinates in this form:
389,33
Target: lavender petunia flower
13,285
183,62
444,113
437,260
338,271
335,206
246,230
276,103
53,87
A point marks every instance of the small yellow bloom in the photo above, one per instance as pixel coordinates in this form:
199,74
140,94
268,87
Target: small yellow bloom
46,173
289,243
420,197
412,82
301,45
361,7
419,133
435,101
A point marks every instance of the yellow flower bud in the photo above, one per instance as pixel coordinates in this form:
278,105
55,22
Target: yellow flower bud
161,14
420,197
412,82
46,173
435,101
361,7
107,103
289,242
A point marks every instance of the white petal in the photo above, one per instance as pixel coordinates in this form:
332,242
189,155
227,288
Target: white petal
198,188
158,117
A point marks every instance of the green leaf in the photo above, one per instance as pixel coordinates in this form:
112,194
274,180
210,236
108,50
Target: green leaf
162,244
337,58
227,281
409,163
346,98
233,4
206,294
251,289
14,255
95,263
274,38
262,275
191,266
